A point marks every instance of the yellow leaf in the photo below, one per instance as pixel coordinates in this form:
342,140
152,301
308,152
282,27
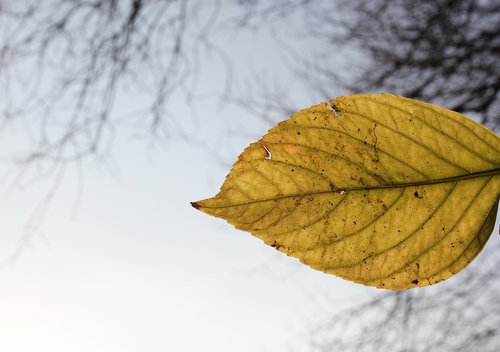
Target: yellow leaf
377,189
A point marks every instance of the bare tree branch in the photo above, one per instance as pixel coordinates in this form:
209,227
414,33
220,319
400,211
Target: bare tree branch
74,74
64,63
444,51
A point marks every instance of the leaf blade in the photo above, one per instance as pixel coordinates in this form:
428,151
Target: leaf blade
326,188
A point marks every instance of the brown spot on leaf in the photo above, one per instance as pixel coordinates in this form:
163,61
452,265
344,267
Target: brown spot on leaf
276,245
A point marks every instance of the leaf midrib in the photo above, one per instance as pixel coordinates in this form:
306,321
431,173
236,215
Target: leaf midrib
479,174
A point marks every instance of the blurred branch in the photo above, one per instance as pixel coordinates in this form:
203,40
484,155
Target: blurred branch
265,99
456,315
446,52
63,64
75,73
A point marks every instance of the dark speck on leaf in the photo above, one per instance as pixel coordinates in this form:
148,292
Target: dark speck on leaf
415,282
276,245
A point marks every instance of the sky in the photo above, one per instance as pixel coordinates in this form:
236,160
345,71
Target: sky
139,269
122,262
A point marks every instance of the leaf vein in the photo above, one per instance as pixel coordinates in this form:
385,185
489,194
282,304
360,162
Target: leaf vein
442,239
